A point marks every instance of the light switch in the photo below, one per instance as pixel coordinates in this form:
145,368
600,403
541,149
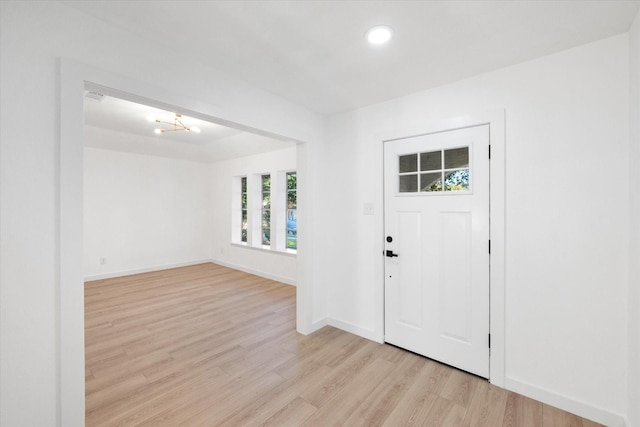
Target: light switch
368,209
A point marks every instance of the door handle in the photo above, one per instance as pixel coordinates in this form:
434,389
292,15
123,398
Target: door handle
390,254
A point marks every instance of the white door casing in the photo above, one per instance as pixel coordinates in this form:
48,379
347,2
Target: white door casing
437,288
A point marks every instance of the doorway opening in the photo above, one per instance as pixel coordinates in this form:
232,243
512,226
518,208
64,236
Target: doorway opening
159,190
75,79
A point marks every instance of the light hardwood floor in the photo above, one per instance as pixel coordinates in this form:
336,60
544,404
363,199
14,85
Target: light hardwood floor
209,346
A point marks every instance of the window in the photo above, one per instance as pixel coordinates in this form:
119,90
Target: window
243,209
266,210
292,211
434,171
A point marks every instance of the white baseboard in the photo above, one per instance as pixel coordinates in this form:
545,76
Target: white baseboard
315,326
355,329
143,270
282,279
565,403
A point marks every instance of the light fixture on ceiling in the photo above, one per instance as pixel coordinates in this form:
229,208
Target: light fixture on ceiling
379,34
94,96
176,125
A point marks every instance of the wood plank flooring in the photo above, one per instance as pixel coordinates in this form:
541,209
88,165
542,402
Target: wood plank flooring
209,346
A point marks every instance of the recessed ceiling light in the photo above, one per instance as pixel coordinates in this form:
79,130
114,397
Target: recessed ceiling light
380,34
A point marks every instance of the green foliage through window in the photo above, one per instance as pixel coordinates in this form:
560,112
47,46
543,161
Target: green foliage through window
243,190
292,211
266,210
434,171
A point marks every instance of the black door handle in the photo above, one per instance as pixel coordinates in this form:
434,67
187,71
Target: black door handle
390,254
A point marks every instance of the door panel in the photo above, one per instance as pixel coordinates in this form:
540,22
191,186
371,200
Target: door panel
437,214
410,300
454,284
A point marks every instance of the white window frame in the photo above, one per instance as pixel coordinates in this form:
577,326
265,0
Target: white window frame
264,210
286,213
236,211
255,210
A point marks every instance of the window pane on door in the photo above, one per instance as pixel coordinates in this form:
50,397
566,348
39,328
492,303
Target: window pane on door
408,183
431,181
456,180
434,171
456,158
408,163
431,161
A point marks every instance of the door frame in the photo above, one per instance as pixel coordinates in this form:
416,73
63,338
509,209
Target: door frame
496,119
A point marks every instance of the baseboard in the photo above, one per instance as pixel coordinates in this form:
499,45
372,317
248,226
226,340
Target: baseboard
315,326
354,329
282,279
566,403
143,270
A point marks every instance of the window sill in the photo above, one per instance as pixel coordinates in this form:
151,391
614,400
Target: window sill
286,252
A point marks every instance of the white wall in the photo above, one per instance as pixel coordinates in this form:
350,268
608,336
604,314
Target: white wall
266,263
634,261
42,375
144,213
567,261
567,216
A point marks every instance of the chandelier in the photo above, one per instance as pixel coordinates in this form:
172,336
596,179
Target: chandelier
175,126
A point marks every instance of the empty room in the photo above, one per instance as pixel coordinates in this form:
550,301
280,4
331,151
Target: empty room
393,213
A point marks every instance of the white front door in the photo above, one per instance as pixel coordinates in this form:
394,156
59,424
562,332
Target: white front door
436,191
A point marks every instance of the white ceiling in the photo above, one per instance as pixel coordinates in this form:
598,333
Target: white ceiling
117,124
314,52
